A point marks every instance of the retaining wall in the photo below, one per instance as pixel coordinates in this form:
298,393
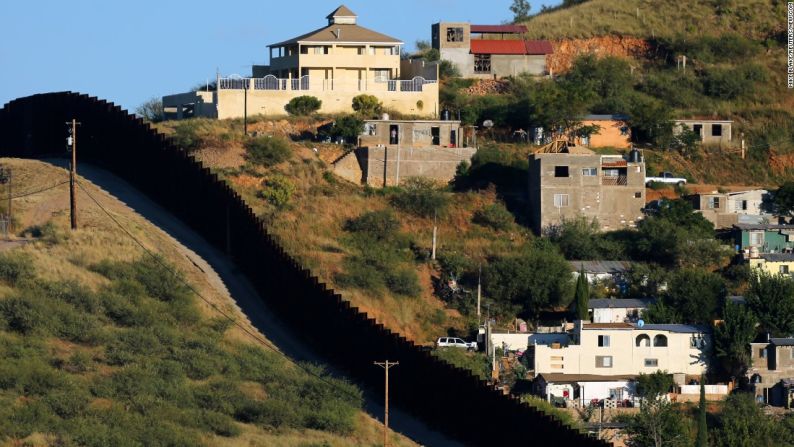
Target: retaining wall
447,398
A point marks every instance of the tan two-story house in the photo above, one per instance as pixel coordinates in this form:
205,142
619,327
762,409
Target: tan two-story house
772,372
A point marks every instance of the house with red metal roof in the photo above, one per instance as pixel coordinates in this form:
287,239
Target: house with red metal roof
490,51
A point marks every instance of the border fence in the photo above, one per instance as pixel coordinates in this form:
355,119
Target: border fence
447,398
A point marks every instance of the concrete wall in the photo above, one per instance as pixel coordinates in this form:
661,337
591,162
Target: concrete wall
706,133
520,342
615,206
190,104
615,315
411,134
349,168
381,167
272,102
502,65
627,358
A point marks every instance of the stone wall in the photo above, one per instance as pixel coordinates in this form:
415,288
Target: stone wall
381,164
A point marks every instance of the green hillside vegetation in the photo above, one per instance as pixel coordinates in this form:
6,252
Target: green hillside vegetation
103,344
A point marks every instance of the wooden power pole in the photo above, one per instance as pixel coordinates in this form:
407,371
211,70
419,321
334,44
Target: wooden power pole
72,142
386,365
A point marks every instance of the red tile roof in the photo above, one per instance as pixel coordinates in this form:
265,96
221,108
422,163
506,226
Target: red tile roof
510,47
515,29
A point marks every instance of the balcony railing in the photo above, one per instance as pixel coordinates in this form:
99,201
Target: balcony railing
614,181
412,85
269,82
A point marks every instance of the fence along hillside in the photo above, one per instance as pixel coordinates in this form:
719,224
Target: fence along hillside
449,399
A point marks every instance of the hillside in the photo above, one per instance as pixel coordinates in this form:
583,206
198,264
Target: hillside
103,344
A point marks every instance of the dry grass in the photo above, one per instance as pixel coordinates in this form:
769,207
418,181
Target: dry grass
98,238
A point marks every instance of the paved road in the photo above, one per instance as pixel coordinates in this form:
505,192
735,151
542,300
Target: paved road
246,296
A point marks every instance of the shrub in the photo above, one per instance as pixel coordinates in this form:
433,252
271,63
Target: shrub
277,190
47,233
420,197
303,105
404,282
379,225
495,216
367,106
347,127
267,151
15,267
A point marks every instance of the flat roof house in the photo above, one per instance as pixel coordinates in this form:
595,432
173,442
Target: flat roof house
620,310
334,63
567,181
730,208
764,238
490,51
772,372
711,131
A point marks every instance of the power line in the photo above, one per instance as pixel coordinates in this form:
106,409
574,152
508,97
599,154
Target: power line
26,194
234,321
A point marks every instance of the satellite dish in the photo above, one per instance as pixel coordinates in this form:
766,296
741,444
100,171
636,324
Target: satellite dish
640,323
487,123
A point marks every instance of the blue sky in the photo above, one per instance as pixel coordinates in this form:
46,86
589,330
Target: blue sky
129,51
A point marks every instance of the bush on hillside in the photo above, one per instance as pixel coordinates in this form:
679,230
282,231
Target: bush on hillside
15,267
730,83
379,225
495,216
420,197
347,127
303,105
367,106
267,151
277,190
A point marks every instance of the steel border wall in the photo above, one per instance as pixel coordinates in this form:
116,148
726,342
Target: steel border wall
448,398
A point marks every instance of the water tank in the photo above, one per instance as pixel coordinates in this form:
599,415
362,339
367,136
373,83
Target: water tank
635,156
445,115
385,117
753,252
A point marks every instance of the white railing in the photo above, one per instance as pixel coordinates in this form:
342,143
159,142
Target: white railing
413,85
269,82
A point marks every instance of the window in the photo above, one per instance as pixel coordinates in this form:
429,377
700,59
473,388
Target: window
651,363
561,171
757,238
643,340
603,361
589,172
762,353
560,200
482,63
381,74
714,202
660,341
698,129
371,50
716,130
638,195
455,34
360,51
784,269
435,135
603,341
611,172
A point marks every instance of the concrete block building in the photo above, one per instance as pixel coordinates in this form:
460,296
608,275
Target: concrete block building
490,51
711,131
333,63
727,209
390,151
772,372
567,181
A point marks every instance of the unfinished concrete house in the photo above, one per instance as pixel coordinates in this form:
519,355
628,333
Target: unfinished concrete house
567,181
390,151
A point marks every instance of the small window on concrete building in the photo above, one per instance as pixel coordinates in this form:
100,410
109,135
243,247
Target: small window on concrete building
611,172
784,269
561,171
651,363
435,134
638,195
660,340
482,63
762,353
743,205
757,238
698,129
603,341
603,361
714,202
589,172
455,34
716,130
643,340
560,200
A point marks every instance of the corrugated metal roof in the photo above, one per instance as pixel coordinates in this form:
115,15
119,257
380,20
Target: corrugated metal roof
614,164
587,326
622,303
483,46
593,267
515,29
568,378
764,227
782,341
777,257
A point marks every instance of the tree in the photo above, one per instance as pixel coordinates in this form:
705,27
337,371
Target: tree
303,105
732,338
581,239
686,141
151,110
367,106
520,10
347,127
696,295
658,423
703,436
537,279
582,295
743,424
420,197
771,298
781,201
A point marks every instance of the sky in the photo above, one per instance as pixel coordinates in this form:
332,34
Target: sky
130,51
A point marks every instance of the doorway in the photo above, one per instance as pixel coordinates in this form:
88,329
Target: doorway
394,134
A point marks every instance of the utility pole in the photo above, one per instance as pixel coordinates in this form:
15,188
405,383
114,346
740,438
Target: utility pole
386,365
479,292
71,141
245,107
435,232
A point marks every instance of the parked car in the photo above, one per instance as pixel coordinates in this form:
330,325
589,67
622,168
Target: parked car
454,342
666,177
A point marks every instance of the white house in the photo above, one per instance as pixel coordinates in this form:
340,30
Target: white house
602,270
626,310
627,349
586,388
